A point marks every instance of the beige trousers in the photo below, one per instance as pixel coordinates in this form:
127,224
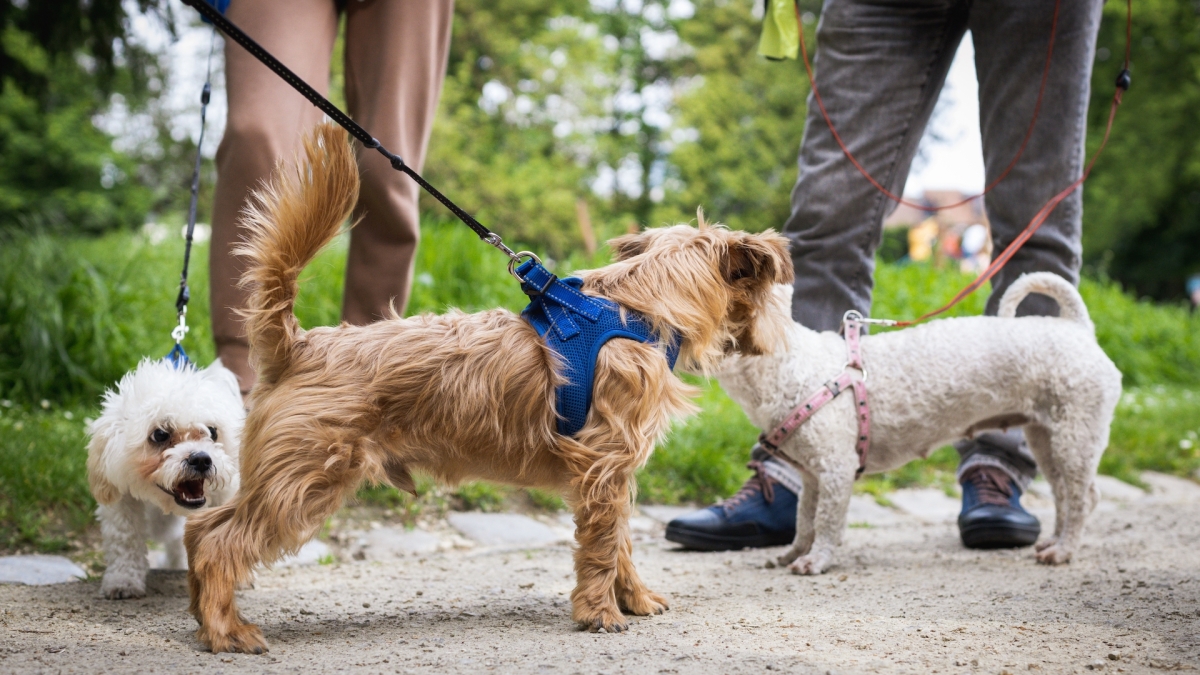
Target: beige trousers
395,61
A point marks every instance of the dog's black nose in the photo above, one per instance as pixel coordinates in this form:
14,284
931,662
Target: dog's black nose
200,462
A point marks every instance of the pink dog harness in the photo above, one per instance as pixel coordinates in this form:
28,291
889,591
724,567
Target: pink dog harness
770,442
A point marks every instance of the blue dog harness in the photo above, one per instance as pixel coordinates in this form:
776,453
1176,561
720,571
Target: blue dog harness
576,326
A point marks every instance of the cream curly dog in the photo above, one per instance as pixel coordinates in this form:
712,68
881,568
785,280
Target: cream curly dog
934,384
461,396
164,447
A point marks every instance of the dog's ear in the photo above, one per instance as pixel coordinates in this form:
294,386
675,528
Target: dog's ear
761,257
628,245
105,439
217,372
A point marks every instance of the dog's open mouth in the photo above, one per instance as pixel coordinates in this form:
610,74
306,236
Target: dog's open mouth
189,493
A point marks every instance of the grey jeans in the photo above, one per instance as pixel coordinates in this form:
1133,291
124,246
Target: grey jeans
880,65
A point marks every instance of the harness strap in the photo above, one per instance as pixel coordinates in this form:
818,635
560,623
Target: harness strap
773,440
557,300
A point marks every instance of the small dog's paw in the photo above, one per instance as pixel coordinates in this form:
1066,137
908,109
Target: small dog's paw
1043,545
792,553
1054,555
814,563
246,638
644,603
607,617
121,592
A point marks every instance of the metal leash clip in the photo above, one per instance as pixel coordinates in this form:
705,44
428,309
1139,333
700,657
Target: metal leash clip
180,331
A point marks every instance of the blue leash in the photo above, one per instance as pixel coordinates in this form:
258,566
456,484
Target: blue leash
177,356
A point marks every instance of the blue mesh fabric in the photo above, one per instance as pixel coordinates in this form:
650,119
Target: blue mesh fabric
576,326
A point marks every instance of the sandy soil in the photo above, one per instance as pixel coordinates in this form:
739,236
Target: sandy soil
903,599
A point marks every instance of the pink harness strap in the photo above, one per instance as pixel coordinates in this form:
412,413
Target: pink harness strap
778,436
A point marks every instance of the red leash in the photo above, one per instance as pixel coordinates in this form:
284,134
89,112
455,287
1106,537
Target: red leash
1122,84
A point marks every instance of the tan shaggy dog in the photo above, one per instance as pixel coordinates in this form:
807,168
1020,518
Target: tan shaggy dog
461,396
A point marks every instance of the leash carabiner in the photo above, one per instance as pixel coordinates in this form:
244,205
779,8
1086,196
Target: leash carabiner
180,331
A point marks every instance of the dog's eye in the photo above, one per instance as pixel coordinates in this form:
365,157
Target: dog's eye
160,436
212,431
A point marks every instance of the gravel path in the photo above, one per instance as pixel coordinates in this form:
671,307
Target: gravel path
905,597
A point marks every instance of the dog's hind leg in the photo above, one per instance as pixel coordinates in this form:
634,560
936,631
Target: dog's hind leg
833,488
1068,455
806,513
289,487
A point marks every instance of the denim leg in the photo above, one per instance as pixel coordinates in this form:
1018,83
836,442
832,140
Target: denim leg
1011,38
880,65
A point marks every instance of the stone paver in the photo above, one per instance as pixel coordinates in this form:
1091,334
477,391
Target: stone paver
864,510
1117,490
1169,489
386,543
38,570
309,554
665,514
504,529
928,504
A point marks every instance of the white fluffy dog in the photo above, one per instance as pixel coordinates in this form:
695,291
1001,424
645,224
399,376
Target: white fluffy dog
165,445
934,384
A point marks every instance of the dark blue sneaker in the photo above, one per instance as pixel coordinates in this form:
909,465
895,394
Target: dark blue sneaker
992,516
762,513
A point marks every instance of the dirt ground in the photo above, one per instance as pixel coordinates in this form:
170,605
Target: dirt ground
905,598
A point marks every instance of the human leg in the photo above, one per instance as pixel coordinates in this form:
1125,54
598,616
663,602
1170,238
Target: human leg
1011,39
265,121
879,69
395,61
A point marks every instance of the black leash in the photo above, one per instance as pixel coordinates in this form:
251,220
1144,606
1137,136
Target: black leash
343,120
177,355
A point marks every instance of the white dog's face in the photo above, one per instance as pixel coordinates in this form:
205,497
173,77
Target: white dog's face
169,437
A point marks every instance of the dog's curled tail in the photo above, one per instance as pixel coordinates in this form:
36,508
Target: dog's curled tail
1070,303
289,220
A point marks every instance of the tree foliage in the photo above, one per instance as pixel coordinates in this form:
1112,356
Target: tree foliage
1142,204
60,60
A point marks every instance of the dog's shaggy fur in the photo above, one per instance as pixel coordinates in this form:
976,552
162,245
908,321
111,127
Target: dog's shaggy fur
932,385
165,446
461,396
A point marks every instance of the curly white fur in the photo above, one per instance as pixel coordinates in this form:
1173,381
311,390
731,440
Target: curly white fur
934,384
145,485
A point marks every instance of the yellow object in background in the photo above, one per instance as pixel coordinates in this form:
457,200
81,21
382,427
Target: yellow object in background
921,239
780,32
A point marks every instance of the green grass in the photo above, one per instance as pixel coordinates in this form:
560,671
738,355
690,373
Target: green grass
75,314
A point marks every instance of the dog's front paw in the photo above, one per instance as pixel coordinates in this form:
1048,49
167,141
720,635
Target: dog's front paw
606,616
122,590
1043,545
246,638
644,603
813,563
1054,555
792,553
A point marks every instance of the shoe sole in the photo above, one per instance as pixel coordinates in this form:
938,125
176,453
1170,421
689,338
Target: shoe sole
697,540
986,536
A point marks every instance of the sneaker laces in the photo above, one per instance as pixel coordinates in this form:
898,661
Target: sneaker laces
992,485
760,482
